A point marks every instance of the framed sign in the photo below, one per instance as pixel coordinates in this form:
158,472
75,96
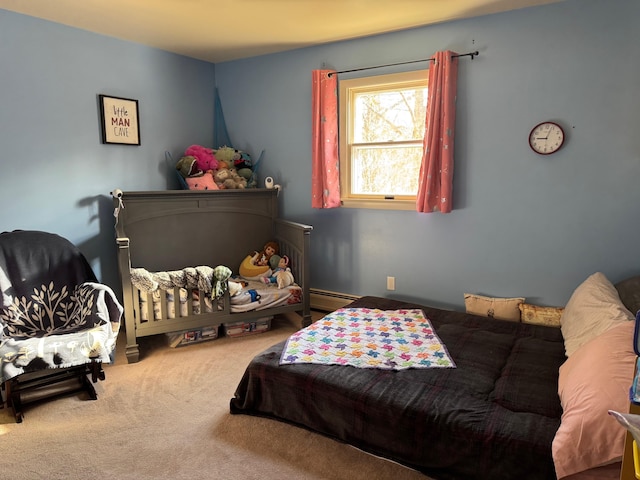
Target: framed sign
120,120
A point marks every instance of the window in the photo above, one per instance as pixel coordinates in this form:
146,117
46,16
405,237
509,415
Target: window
381,132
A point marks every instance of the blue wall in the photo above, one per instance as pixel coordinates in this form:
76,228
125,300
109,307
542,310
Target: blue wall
56,173
523,224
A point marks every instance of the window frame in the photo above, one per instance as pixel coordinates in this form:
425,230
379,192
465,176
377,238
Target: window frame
347,90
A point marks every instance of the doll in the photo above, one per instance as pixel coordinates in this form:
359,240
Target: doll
281,272
262,258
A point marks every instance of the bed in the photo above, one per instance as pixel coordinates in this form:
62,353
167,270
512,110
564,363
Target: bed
513,407
171,245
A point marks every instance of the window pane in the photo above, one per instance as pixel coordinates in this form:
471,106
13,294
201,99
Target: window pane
385,116
382,123
385,170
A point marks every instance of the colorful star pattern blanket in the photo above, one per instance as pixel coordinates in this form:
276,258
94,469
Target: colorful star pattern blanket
366,338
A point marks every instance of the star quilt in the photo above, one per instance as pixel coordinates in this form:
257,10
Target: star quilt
369,338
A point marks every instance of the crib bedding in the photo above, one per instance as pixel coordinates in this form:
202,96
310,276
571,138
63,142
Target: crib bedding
494,416
253,297
260,296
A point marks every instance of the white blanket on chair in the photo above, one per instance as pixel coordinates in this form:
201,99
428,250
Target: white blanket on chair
92,332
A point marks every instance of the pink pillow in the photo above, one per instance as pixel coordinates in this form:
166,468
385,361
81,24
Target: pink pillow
596,378
204,182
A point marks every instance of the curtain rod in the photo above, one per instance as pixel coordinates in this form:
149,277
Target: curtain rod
470,54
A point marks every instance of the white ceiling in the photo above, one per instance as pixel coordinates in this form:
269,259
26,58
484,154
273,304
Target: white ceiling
222,30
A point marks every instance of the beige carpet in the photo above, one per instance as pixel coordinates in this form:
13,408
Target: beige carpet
167,416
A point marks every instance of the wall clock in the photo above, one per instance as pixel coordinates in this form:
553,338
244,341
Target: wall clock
546,138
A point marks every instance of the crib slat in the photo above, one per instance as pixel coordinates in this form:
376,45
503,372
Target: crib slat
201,300
189,302
150,312
163,305
137,310
177,303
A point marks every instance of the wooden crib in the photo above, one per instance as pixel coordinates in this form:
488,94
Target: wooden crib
174,229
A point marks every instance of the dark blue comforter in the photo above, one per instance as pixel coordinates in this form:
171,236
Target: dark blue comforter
492,417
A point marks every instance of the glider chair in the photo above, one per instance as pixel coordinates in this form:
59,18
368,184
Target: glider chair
58,325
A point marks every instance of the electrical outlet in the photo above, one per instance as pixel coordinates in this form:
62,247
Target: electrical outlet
391,283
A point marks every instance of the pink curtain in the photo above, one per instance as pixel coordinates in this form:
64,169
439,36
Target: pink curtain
325,169
436,171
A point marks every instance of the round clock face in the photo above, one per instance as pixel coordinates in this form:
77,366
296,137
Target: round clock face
546,138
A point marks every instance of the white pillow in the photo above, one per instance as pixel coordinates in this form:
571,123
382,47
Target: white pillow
594,307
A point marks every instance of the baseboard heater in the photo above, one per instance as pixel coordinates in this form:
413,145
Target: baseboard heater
327,301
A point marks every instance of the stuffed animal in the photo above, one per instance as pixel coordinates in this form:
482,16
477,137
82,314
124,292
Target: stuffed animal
187,167
237,161
243,162
228,179
202,182
244,167
221,176
284,278
239,181
227,155
249,177
205,159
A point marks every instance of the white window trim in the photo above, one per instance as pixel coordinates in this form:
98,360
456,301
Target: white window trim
346,87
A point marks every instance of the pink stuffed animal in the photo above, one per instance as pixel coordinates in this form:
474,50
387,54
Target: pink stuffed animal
205,159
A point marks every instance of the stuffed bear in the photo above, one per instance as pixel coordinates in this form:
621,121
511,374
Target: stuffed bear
229,179
205,159
240,182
